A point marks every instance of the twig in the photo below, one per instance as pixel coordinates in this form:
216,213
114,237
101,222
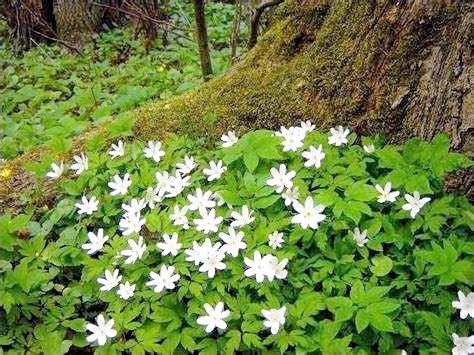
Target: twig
255,18
70,46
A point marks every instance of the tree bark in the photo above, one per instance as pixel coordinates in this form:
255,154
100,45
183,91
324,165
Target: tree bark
203,43
403,69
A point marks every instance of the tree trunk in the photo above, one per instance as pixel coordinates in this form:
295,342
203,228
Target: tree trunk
402,68
77,21
203,43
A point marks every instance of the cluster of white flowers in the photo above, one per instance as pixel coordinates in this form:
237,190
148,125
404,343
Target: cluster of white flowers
210,257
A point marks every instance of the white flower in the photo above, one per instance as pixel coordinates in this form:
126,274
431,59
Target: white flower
308,214
111,280
152,197
214,318
274,318
414,203
198,253
213,259
179,217
386,193
170,244
293,138
135,252
215,170
258,266
126,290
162,182
242,219
463,345
120,186
307,126
81,163
165,279
313,156
56,171
176,185
465,304
233,242
208,222
229,139
338,136
280,178
154,151
360,237
131,223
290,195
201,200
369,148
187,166
96,242
118,150
101,331
135,206
87,206
275,239
276,268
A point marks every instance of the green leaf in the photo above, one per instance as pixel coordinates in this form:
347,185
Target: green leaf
381,322
360,191
250,160
382,265
361,320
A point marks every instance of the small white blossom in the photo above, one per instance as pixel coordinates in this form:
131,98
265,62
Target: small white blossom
276,268
214,318
218,199
81,163
338,136
258,266
56,171
186,166
308,215
281,179
111,280
201,200
96,242
386,193
242,219
369,148
290,195
152,197
101,331
135,252
293,138
229,139
215,170
208,222
274,318
307,126
120,185
179,217
162,182
198,253
360,237
170,244
465,304
117,150
134,207
414,203
165,279
275,240
313,156
131,223
213,260
154,151
126,290
87,206
176,185
233,242
463,345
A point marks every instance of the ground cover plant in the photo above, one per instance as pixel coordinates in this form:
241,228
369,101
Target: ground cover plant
49,94
293,240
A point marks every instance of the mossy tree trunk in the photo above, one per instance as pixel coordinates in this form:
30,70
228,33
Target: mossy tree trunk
403,68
